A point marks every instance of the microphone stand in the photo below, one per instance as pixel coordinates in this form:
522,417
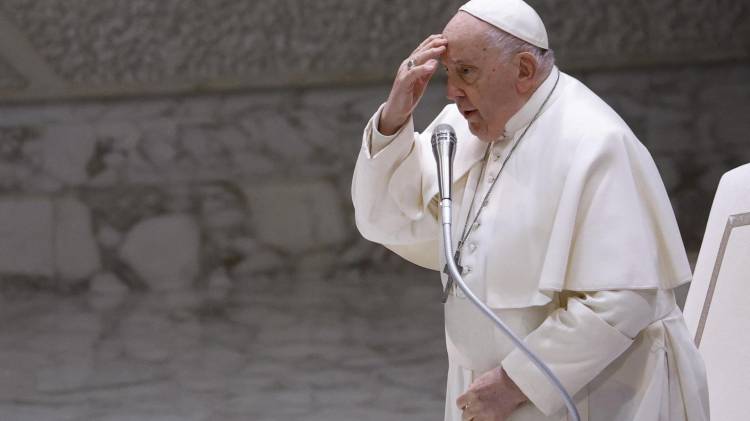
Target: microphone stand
445,216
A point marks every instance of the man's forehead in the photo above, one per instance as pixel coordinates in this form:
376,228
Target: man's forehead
467,39
461,55
465,27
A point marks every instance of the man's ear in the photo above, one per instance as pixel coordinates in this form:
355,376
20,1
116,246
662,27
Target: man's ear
527,72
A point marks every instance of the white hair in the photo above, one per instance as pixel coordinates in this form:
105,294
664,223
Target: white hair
509,46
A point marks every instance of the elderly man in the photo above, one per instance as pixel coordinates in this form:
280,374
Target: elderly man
564,229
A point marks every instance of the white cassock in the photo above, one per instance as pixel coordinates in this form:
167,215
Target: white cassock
577,250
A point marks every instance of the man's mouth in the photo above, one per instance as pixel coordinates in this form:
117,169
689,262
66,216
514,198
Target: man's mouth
468,113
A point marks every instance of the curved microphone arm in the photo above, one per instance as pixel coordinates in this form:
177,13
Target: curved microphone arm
445,215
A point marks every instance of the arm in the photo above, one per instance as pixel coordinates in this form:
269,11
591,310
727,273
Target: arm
580,341
387,194
387,188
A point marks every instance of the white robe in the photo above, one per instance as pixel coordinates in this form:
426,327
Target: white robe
577,250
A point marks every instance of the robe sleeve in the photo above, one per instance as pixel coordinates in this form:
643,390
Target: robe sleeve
387,194
379,141
580,341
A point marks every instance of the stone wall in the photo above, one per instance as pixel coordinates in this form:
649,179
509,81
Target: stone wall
170,192
194,256
96,48
163,194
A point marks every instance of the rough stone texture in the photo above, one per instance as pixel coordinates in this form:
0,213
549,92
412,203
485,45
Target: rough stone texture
76,252
591,34
26,232
269,41
106,47
107,284
10,79
132,160
298,216
164,251
66,151
693,120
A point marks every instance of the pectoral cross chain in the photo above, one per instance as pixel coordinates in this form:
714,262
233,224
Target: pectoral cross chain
449,284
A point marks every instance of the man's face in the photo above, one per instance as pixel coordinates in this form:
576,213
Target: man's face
479,82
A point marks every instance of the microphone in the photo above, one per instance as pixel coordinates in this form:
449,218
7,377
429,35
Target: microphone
444,149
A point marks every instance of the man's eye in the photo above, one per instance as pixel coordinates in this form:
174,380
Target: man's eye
467,74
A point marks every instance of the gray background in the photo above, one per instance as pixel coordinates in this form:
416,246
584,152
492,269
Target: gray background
176,231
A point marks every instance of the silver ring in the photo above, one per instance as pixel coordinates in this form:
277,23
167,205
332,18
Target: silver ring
410,64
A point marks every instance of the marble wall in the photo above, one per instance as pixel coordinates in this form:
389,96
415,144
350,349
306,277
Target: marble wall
174,192
92,188
170,193
194,256
95,48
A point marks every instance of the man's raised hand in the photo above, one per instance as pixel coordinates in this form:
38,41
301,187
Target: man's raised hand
410,83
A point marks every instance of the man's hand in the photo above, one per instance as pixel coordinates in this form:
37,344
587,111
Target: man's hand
492,397
410,84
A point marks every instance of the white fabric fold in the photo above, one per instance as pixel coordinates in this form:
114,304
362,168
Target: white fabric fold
593,330
579,196
578,209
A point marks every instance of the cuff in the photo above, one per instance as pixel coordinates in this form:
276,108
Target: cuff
375,142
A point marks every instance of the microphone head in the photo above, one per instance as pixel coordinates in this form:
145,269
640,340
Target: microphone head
444,142
444,149
443,133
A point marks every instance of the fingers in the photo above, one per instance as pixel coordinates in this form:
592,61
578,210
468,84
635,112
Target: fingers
421,71
463,400
468,404
425,64
424,59
432,49
428,40
472,413
428,54
411,81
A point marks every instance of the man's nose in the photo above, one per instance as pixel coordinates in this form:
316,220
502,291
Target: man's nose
453,93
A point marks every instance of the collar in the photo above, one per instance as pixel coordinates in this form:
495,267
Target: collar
523,117
471,150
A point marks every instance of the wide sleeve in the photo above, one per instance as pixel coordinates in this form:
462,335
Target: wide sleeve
390,178
580,341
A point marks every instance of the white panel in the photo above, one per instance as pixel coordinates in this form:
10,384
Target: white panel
725,344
